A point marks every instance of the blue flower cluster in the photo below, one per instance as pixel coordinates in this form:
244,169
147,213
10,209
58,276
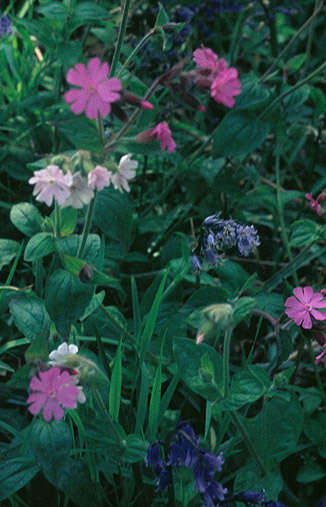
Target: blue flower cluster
184,451
5,26
218,235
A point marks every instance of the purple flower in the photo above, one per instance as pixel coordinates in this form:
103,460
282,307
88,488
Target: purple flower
251,496
247,239
305,303
5,26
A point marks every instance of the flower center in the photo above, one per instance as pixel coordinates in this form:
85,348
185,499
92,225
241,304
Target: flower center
308,307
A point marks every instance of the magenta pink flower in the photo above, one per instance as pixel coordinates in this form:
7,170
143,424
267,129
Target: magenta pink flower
99,178
321,355
304,305
225,86
164,136
51,183
52,390
314,204
96,92
205,58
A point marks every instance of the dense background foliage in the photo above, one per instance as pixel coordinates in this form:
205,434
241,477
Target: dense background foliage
137,310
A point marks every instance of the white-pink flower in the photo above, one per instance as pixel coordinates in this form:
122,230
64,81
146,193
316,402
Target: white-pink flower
51,184
96,92
80,193
99,178
126,171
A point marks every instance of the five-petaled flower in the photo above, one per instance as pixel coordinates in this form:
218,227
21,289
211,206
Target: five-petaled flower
305,305
96,92
51,183
51,390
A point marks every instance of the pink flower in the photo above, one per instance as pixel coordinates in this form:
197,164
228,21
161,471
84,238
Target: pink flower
314,204
225,86
300,308
126,171
52,390
321,355
96,91
99,178
51,183
214,73
164,136
205,58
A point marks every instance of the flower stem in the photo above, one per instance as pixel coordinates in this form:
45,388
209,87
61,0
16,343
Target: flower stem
294,38
87,226
136,50
292,89
56,220
226,361
121,36
246,437
280,213
111,424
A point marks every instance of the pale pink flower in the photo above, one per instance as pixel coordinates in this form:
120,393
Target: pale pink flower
126,171
314,204
164,136
225,86
51,183
96,92
80,193
99,178
304,305
51,390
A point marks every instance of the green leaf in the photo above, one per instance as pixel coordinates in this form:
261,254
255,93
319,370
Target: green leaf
253,95
66,299
81,132
162,17
68,220
296,62
14,476
200,367
115,385
30,316
26,218
154,404
8,250
73,479
113,215
39,246
92,251
95,302
55,10
275,431
89,11
304,232
247,386
50,443
250,479
136,449
310,472
239,134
